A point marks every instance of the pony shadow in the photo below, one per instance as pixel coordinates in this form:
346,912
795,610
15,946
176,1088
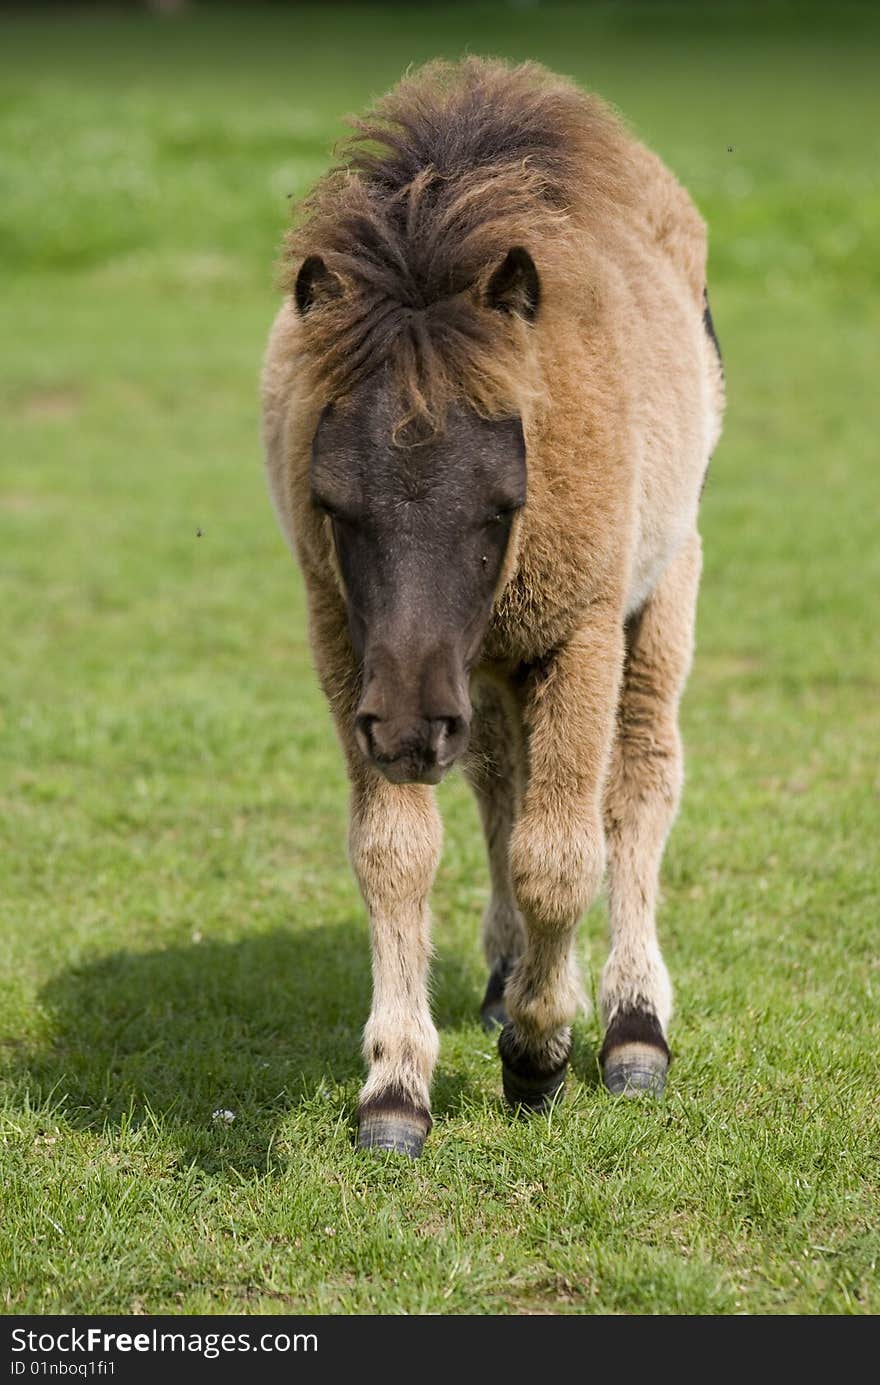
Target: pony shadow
256,1028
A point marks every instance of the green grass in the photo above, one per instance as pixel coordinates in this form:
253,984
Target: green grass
180,929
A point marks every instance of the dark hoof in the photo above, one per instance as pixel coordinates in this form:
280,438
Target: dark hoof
531,1094
635,1069
393,1127
492,1011
527,1082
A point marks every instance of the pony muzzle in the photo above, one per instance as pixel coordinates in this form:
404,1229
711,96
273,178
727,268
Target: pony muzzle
412,724
411,752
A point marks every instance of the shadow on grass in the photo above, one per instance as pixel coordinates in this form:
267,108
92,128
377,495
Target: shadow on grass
257,1027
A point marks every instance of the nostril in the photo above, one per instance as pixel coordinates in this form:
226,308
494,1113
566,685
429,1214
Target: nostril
446,736
363,731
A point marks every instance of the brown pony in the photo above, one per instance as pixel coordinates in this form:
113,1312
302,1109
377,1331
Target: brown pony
489,404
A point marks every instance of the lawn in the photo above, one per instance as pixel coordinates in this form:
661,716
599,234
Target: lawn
181,932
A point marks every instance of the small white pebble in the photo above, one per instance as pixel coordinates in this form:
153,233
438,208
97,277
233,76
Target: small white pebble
197,937
221,1115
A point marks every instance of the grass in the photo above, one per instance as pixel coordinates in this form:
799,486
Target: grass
181,933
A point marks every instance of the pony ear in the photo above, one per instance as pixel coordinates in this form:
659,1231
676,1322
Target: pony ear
514,286
315,283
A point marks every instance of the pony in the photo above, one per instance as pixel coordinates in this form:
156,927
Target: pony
490,397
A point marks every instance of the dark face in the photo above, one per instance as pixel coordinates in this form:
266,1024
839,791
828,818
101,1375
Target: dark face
420,536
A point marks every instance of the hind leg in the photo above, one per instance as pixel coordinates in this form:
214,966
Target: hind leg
641,800
495,770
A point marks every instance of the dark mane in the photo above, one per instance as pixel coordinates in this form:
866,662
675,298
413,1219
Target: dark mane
450,170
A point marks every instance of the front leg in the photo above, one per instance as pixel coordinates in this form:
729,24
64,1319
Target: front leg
641,800
557,851
394,843
395,846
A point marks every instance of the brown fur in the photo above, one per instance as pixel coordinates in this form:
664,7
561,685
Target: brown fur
453,167
577,758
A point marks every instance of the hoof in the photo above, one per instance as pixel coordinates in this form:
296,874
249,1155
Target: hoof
492,1011
531,1093
635,1070
528,1083
393,1128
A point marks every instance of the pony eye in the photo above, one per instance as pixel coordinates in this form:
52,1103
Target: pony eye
330,511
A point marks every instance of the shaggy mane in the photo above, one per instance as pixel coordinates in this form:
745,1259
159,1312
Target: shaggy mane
456,165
